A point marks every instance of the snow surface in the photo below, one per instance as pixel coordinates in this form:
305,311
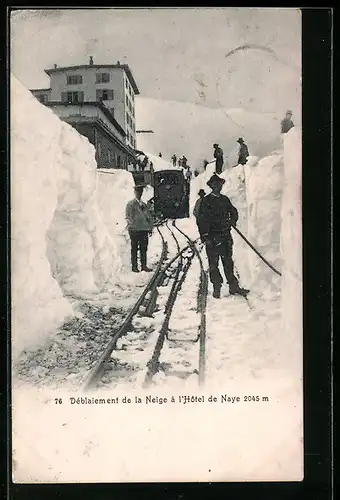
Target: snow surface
291,243
68,228
70,254
191,129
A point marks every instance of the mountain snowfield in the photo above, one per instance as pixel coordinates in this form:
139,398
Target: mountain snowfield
69,246
192,129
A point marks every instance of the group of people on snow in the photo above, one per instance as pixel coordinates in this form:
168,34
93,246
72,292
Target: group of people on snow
243,154
180,162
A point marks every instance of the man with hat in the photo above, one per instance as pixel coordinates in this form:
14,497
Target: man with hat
215,218
243,152
201,194
287,122
218,155
139,224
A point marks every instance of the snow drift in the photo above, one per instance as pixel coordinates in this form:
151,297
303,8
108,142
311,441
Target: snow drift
68,222
291,239
38,305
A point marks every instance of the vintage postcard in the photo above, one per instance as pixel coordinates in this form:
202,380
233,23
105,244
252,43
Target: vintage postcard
156,245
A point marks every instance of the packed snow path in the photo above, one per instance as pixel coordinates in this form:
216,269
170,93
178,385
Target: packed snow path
240,340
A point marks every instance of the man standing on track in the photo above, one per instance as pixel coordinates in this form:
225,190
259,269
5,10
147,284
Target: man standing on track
215,218
139,223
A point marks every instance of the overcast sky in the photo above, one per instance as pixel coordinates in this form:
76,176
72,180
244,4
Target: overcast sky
174,54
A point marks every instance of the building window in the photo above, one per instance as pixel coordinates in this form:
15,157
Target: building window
119,161
72,97
109,155
74,79
127,101
104,95
102,77
99,149
127,118
112,112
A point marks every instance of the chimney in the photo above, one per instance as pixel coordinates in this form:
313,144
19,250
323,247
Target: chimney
55,66
91,61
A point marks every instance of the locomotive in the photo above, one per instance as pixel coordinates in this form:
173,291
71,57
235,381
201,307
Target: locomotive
171,194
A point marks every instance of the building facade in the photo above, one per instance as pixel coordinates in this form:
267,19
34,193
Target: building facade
99,101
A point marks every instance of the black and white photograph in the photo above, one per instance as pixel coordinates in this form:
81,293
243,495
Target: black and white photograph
156,244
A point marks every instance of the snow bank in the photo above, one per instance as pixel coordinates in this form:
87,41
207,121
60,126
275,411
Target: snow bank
191,129
291,237
68,220
38,305
264,184
158,162
83,253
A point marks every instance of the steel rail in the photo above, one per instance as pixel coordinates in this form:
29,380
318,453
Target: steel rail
153,364
203,292
97,371
179,266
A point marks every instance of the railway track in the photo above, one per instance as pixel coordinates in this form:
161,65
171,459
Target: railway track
174,270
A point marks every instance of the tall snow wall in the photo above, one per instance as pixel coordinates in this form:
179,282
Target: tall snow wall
291,240
264,184
38,305
67,221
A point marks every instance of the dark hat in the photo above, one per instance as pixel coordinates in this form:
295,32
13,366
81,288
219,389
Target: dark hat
215,179
215,145
240,139
201,191
289,112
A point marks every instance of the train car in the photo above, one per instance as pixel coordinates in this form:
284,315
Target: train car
171,194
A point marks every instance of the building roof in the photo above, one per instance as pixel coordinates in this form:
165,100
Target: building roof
40,90
99,66
98,104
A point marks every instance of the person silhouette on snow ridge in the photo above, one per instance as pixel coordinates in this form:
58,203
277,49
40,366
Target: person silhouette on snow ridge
287,122
218,155
243,152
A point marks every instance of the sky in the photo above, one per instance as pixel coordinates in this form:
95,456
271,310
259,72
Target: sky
175,54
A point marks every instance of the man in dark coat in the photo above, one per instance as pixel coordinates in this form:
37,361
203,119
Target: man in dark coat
218,154
215,218
287,123
243,152
201,194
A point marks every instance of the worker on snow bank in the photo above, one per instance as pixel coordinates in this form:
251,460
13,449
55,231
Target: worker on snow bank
218,155
243,152
174,160
287,122
139,224
216,216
